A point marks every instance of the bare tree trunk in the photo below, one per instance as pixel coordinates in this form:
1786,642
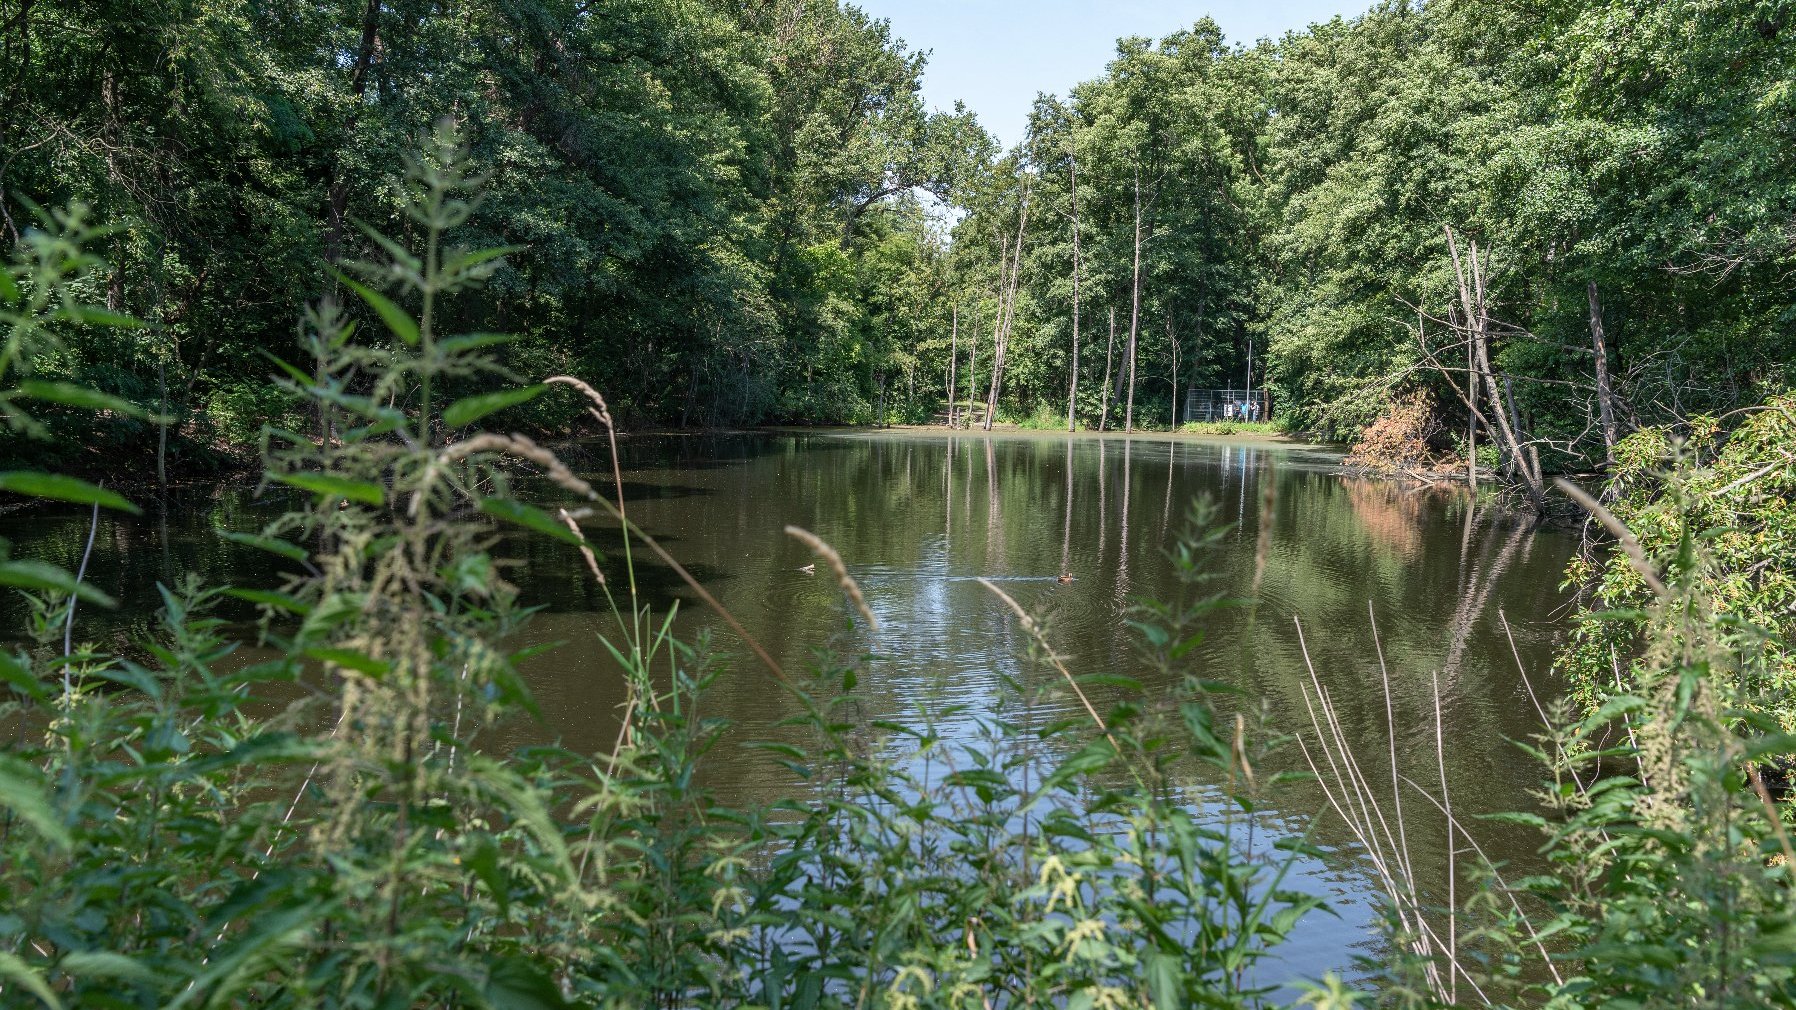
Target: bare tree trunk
1471,429
1174,337
1477,313
161,426
1605,401
1072,385
1134,308
1109,346
973,364
1006,316
953,363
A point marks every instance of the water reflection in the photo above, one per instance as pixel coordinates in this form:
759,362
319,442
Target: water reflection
1434,568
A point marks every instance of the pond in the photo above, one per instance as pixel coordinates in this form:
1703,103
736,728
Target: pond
919,517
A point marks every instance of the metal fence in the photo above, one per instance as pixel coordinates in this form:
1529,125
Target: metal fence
1227,405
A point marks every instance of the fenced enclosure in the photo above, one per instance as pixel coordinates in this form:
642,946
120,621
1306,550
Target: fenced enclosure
1227,405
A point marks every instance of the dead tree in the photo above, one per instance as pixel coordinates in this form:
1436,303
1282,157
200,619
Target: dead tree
1605,396
1523,466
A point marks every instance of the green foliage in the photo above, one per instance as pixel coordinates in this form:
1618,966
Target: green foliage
1719,511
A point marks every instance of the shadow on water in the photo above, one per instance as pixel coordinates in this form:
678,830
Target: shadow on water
920,517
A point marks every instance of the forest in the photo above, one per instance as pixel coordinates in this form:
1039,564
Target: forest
741,214
454,556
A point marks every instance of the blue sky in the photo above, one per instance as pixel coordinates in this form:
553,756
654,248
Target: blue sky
996,55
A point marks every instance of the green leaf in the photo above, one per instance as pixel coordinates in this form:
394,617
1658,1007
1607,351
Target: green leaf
349,659
33,484
22,791
20,974
326,485
484,861
300,378
528,517
473,341
271,599
515,984
71,395
397,319
20,677
472,259
290,551
103,964
466,411
38,576
1163,981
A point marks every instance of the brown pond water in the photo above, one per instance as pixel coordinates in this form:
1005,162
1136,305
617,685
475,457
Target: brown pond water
918,517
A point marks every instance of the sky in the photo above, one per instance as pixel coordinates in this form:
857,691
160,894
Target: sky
996,55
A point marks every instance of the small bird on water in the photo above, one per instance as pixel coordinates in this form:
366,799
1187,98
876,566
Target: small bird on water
1064,578
810,569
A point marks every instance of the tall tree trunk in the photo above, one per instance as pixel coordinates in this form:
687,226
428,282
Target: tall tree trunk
1605,401
973,366
953,363
1072,384
1134,308
1471,429
1006,316
1173,424
1109,347
161,426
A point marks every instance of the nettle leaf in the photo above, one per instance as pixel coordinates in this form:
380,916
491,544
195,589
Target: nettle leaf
466,411
464,342
290,551
1163,972
469,260
529,517
19,676
71,395
273,600
350,659
24,793
40,577
397,319
515,984
20,974
33,484
330,486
